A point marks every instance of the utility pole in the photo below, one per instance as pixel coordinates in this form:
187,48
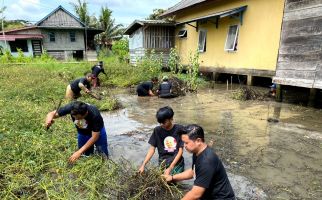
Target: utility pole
2,19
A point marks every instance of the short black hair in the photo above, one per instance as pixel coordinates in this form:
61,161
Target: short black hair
79,108
154,79
164,113
89,75
193,131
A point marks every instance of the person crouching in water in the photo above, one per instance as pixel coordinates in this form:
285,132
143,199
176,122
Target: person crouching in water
164,90
168,142
145,88
210,177
74,88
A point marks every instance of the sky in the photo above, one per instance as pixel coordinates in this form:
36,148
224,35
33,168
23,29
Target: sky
124,11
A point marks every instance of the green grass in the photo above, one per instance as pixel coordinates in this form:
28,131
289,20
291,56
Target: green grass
33,161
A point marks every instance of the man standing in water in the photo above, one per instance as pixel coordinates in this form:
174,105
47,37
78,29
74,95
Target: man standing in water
211,181
90,128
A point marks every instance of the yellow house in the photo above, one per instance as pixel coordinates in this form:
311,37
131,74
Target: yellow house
232,36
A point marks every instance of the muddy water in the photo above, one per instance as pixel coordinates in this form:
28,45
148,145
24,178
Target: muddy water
265,159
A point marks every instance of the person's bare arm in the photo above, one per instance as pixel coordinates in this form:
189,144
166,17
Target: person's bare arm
194,194
188,174
151,93
174,162
147,158
87,145
50,118
82,86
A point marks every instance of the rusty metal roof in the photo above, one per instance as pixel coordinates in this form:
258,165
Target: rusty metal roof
21,36
139,23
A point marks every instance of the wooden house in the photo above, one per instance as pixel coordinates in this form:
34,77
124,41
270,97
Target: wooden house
300,54
148,35
234,37
59,33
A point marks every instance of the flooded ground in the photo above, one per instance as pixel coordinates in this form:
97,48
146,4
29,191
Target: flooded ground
279,158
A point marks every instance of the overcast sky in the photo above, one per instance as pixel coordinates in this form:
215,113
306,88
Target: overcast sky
124,11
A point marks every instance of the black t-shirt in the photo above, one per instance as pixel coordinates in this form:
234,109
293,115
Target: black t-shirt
92,122
96,70
148,85
74,85
168,142
211,175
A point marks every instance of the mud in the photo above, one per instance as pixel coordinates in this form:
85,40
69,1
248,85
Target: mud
265,159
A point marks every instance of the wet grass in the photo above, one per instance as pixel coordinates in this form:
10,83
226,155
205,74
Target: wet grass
33,161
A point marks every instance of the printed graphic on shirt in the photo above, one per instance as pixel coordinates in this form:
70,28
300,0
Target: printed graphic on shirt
82,124
170,144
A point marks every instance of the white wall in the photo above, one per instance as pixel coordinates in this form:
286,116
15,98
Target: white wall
136,39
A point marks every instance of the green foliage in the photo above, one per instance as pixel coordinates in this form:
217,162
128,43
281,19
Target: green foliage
6,57
121,49
104,52
111,29
33,161
151,63
193,71
174,61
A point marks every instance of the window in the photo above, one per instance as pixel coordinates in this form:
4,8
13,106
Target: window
202,41
52,37
182,34
231,41
18,44
72,36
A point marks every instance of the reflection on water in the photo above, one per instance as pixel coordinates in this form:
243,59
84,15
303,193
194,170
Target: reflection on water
273,159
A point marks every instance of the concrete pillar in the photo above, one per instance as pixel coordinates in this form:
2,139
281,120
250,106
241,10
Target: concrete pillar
215,76
312,97
279,97
249,80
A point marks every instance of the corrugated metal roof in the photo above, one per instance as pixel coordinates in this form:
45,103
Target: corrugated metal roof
20,29
182,5
220,14
21,36
139,23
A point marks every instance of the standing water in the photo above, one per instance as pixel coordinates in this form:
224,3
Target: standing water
270,150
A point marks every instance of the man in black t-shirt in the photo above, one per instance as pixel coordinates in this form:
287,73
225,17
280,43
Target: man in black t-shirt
96,70
75,87
89,124
169,144
145,88
211,181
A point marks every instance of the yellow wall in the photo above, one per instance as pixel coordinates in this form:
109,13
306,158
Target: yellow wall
258,38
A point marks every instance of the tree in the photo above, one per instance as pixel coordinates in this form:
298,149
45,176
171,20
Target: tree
156,15
82,11
111,29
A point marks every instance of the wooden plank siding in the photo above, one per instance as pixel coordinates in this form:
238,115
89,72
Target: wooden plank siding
159,39
61,19
300,53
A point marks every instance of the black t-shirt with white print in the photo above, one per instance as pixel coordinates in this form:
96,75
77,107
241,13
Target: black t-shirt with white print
167,142
92,122
211,175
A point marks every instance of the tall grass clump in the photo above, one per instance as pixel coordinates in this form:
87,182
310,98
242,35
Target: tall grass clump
33,161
